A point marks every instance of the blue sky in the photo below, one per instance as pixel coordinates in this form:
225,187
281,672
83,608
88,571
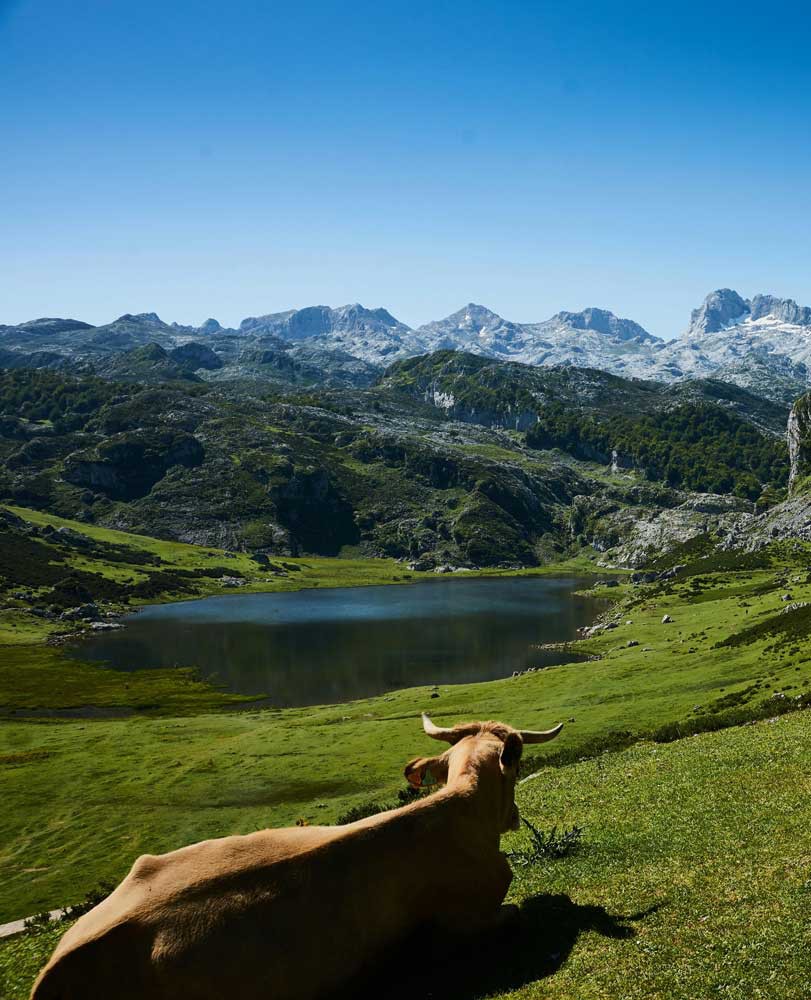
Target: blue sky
228,159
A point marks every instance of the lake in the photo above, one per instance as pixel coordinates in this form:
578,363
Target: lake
326,646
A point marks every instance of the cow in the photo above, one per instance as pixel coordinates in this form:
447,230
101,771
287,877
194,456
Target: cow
292,914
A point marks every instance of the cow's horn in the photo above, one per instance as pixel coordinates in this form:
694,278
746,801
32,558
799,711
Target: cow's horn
437,732
528,736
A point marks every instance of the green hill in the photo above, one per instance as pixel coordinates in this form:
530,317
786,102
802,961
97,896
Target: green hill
691,881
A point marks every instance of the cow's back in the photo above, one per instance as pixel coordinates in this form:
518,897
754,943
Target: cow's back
238,917
279,914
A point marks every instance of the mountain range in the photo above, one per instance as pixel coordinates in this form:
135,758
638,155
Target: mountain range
762,344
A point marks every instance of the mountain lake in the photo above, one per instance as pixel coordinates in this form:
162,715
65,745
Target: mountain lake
326,646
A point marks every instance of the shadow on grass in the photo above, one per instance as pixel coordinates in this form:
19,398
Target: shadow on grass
531,947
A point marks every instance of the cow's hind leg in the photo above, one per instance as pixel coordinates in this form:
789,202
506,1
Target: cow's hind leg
484,908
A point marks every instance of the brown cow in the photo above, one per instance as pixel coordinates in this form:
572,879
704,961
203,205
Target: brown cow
292,914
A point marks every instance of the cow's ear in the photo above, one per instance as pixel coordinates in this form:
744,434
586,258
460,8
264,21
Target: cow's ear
511,751
422,772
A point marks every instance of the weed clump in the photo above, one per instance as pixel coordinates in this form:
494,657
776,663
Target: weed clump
41,920
547,846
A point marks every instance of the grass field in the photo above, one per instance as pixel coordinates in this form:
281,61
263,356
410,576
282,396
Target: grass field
692,882
81,799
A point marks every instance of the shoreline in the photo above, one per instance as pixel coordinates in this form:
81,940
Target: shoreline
28,638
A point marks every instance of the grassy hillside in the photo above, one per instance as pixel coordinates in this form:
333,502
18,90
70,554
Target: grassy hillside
691,881
157,759
84,797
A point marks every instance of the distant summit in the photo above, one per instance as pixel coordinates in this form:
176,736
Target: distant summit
719,309
762,344
603,321
372,335
724,308
150,318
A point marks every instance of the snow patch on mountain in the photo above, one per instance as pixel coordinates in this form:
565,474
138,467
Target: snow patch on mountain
762,344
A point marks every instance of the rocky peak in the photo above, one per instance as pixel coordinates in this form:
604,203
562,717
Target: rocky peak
319,321
146,319
470,316
357,316
474,328
721,308
51,324
602,321
784,310
210,326
479,313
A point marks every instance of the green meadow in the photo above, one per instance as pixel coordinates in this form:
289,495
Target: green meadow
692,881
671,828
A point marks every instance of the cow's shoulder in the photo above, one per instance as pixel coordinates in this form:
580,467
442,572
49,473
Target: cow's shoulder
146,866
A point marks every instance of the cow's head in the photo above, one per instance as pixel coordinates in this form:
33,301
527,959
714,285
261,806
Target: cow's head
479,750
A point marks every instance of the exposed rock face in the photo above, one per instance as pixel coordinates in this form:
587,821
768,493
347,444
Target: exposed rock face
593,337
193,356
633,536
792,518
605,322
373,335
783,310
799,441
718,310
472,328
762,344
788,520
128,465
311,506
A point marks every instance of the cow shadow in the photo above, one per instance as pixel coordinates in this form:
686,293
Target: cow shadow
531,947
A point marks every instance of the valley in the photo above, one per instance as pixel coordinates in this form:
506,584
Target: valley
141,474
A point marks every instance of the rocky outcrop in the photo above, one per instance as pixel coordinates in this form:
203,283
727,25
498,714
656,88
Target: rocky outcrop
193,356
311,506
605,322
150,363
719,309
783,310
788,520
631,537
798,434
128,465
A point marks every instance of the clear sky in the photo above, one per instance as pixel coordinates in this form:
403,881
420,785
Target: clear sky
233,158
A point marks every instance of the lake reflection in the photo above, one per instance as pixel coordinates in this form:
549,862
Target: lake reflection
320,646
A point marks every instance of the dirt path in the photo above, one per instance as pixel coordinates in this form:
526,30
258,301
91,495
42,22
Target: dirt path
18,926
